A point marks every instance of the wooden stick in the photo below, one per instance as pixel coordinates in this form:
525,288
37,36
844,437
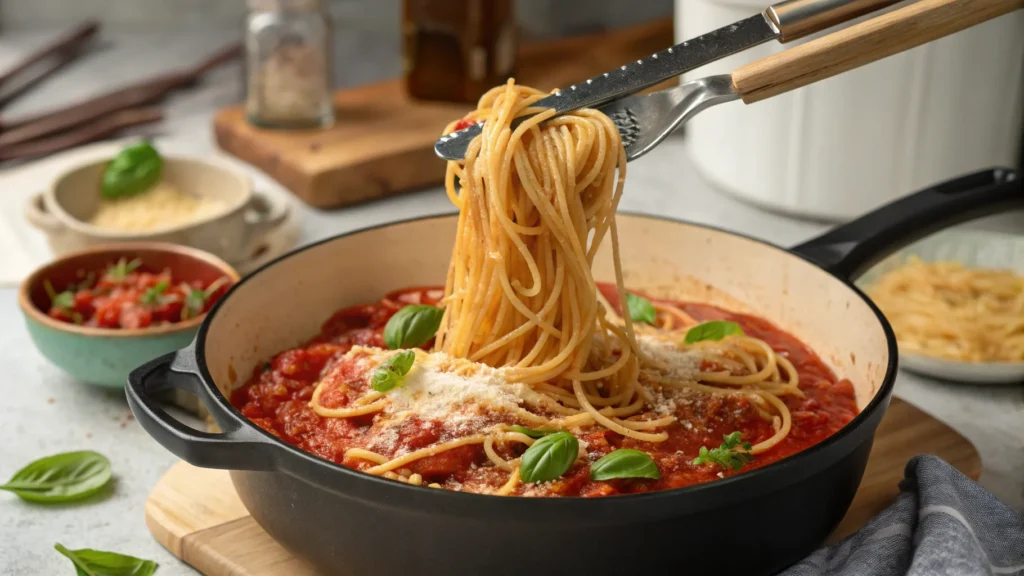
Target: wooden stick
863,43
124,98
83,134
69,42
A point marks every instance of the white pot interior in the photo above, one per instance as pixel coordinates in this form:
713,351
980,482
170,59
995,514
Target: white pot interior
284,305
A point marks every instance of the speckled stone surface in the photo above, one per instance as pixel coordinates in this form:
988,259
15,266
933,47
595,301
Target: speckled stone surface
43,411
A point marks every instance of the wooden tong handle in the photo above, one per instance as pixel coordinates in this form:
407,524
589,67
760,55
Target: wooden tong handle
863,43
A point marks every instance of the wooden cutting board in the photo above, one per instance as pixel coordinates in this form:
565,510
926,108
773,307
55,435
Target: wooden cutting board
382,142
195,513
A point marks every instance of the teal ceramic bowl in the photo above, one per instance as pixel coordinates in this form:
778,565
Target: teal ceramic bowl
103,356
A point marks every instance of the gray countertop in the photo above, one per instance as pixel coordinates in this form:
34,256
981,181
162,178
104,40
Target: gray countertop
44,411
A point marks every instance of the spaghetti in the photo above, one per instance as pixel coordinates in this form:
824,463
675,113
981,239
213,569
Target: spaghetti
945,310
528,339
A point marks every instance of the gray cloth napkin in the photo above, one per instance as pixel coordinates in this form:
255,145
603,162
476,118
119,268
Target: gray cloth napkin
941,523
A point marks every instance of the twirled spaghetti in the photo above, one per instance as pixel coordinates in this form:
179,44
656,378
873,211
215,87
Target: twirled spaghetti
529,343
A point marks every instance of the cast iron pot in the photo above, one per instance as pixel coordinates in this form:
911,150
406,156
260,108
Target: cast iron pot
347,522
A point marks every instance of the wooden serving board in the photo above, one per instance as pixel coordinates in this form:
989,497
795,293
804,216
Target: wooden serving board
382,142
195,513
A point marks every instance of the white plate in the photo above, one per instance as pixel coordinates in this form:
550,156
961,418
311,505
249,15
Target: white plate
973,248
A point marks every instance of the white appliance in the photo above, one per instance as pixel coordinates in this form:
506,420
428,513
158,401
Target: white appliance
838,148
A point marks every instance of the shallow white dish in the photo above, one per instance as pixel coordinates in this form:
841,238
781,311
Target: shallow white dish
973,248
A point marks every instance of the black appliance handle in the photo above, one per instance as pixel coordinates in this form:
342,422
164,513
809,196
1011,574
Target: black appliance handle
238,447
851,249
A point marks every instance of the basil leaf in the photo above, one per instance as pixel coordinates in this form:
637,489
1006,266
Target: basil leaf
533,433
195,303
549,457
152,295
624,463
412,326
713,330
135,169
99,563
640,309
64,300
61,477
726,455
123,268
392,371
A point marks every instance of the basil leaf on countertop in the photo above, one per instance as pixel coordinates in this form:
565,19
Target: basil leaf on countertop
549,457
392,371
713,330
135,169
61,477
624,463
90,562
533,432
412,326
640,309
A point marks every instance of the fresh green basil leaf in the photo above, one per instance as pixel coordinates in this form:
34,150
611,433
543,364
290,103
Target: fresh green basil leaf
392,371
713,330
152,295
65,299
61,477
401,363
640,309
549,457
99,563
533,432
726,455
135,169
123,268
412,326
195,302
624,463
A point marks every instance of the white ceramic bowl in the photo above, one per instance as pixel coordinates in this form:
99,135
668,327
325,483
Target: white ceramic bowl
233,233
972,248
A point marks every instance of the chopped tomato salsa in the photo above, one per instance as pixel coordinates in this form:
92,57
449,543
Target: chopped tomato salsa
278,395
126,295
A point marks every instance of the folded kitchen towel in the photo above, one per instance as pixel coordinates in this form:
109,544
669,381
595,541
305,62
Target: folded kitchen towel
942,523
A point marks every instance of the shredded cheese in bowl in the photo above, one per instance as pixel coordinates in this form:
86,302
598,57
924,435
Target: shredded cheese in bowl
163,206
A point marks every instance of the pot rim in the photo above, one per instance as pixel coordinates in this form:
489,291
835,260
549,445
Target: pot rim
783,472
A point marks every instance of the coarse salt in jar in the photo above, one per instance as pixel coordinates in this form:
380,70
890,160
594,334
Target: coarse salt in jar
288,64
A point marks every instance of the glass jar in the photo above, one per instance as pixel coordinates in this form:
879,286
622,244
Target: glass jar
455,50
288,64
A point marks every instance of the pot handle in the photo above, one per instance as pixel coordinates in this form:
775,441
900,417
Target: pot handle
238,447
851,249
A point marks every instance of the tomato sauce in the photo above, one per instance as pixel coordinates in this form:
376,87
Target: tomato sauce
277,400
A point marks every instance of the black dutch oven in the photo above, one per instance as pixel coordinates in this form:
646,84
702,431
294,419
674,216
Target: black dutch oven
758,522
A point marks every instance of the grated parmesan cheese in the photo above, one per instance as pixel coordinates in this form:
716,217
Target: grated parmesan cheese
453,390
162,206
670,359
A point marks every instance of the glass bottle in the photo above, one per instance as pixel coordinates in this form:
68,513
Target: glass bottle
288,64
455,50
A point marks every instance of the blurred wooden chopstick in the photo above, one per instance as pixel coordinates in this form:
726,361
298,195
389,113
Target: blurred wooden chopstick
83,134
25,130
62,45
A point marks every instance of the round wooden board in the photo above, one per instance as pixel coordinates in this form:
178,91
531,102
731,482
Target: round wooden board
195,513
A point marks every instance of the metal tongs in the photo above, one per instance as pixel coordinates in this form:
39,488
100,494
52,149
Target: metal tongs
644,120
